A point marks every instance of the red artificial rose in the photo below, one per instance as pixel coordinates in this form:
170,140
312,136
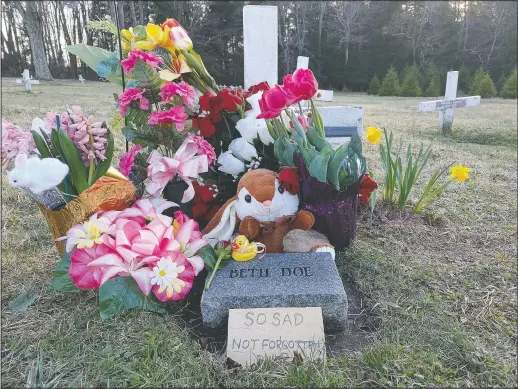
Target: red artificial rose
205,126
229,99
205,101
289,179
367,186
272,102
262,86
170,23
302,85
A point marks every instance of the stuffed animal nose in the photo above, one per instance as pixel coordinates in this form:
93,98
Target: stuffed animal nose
267,203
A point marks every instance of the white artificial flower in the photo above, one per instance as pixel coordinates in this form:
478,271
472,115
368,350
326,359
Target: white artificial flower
242,149
254,102
166,272
230,164
264,134
247,127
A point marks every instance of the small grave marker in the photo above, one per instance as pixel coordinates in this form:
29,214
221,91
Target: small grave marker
277,280
275,332
81,79
27,80
447,106
302,62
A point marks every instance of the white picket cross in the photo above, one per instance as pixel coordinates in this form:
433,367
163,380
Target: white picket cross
27,80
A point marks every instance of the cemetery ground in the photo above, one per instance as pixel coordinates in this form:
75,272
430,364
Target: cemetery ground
438,288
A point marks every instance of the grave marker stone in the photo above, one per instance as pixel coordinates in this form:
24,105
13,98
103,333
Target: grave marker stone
27,80
447,106
275,332
277,280
260,44
302,62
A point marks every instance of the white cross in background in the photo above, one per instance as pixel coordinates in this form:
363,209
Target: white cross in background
447,106
81,79
27,80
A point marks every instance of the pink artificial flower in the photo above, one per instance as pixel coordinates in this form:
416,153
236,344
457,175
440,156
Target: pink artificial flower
181,218
272,102
51,123
180,38
302,85
190,242
128,160
149,58
15,141
154,208
170,89
172,276
136,248
129,95
303,122
86,276
204,148
174,115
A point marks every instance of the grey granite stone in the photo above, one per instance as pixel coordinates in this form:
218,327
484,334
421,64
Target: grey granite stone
278,280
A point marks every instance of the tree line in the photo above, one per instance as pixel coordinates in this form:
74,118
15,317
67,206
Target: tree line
348,42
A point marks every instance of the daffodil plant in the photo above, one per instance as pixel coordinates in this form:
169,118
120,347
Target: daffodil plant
400,177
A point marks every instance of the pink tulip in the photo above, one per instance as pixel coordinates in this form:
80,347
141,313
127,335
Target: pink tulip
302,85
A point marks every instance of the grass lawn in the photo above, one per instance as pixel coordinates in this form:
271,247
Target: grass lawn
441,286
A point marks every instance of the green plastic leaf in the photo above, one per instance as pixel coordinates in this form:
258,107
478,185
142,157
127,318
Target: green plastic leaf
147,78
278,149
318,168
336,163
317,120
208,255
122,293
117,121
41,145
316,140
103,166
23,301
289,149
78,171
61,281
92,56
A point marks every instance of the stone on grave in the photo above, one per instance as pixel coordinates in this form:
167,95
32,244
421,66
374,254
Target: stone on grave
260,44
277,280
447,106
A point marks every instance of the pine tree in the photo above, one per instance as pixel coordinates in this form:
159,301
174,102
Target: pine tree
410,87
477,78
465,79
390,84
509,90
485,87
431,82
374,86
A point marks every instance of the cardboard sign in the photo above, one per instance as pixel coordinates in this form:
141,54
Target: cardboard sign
275,332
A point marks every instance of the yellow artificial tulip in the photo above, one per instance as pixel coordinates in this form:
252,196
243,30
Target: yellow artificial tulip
373,135
127,36
460,173
158,37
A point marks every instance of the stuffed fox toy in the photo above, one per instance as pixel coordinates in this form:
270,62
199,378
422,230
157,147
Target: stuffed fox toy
264,210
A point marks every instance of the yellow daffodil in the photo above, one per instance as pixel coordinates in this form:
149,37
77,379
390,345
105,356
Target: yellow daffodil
460,173
373,135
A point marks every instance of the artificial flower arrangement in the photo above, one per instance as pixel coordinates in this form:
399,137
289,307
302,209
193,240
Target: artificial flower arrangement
64,165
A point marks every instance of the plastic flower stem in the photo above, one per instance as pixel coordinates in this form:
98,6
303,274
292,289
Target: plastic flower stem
221,255
300,108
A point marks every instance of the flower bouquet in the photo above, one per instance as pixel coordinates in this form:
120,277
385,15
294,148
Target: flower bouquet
68,173
330,178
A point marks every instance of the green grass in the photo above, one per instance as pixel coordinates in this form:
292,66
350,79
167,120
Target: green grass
440,287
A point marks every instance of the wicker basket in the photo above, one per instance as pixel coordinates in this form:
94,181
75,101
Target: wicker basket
107,194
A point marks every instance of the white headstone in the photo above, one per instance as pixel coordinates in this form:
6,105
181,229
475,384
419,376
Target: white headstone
447,106
342,123
260,44
324,95
302,62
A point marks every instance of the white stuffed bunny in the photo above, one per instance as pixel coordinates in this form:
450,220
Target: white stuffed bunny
37,175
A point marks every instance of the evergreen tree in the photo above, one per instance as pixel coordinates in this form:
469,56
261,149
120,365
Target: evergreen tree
500,82
465,78
410,87
477,78
374,86
390,85
509,90
484,86
431,82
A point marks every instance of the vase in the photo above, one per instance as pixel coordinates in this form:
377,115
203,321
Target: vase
174,191
334,210
106,194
